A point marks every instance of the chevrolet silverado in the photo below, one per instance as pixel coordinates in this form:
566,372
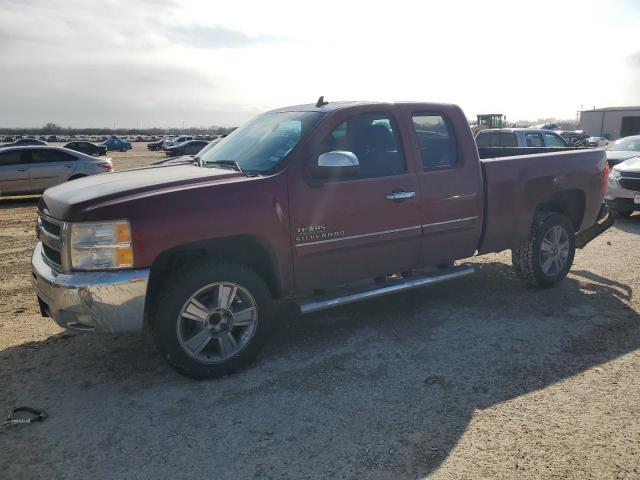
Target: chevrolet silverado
319,205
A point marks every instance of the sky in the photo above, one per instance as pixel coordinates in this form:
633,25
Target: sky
168,63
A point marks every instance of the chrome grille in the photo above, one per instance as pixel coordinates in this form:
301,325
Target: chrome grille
630,183
51,233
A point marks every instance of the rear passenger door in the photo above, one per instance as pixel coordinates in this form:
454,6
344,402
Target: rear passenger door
450,184
14,174
50,167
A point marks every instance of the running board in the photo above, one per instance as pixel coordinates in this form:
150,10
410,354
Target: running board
322,303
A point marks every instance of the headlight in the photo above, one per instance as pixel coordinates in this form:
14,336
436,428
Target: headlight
615,174
100,246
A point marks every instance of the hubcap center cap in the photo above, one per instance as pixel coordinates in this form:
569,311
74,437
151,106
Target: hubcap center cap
219,320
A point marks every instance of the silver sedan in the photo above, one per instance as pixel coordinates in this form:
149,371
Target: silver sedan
32,169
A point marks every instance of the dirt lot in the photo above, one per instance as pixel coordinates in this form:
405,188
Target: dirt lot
478,378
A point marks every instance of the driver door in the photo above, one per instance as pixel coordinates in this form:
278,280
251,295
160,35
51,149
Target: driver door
358,227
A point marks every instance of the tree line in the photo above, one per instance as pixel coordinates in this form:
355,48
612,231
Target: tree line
54,129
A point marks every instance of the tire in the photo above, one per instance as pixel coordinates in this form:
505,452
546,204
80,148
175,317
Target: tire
539,261
75,177
180,326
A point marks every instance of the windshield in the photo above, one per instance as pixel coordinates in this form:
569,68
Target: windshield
262,144
629,144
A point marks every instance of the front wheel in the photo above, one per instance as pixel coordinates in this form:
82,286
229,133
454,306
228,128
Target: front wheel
545,257
211,319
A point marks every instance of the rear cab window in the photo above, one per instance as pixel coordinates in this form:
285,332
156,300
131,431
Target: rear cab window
533,139
436,140
553,140
497,139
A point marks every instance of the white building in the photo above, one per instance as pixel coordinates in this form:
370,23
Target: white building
612,122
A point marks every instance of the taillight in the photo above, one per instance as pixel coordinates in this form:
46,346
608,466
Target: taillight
106,165
605,179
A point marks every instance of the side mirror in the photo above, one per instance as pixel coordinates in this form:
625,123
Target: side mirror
337,164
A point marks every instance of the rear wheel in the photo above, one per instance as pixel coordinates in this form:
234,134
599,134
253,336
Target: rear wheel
75,177
211,319
546,256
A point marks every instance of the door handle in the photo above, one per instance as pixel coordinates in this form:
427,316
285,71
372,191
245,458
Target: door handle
400,195
68,166
22,169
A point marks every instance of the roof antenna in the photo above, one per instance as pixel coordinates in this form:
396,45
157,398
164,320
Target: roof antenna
321,102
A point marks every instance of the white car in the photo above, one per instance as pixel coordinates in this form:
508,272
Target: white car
32,169
623,149
175,141
597,142
623,195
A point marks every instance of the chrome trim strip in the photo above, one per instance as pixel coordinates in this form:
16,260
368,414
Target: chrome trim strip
351,237
49,239
55,221
53,241
315,304
450,222
400,195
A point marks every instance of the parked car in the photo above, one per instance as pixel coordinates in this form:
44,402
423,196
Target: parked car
23,142
597,142
574,138
176,141
190,147
519,137
623,195
301,199
87,148
32,169
157,145
117,144
623,149
550,126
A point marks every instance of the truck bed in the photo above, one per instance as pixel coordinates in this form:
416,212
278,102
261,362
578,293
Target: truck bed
515,186
498,152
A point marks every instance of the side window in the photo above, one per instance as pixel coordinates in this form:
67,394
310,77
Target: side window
374,139
50,156
553,140
436,140
483,139
534,139
11,158
508,139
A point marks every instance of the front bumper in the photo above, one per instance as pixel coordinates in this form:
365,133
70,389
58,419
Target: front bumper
615,191
106,302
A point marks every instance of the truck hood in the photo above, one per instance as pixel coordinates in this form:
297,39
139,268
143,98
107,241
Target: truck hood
631,165
69,199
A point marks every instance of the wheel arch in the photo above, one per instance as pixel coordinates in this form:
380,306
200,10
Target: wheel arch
250,250
571,203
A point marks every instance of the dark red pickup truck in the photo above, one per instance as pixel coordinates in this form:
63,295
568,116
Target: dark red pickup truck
321,205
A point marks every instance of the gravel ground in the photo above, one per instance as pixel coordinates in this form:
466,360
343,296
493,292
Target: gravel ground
478,378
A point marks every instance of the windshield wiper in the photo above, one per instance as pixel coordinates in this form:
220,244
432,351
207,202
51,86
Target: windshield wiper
226,163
